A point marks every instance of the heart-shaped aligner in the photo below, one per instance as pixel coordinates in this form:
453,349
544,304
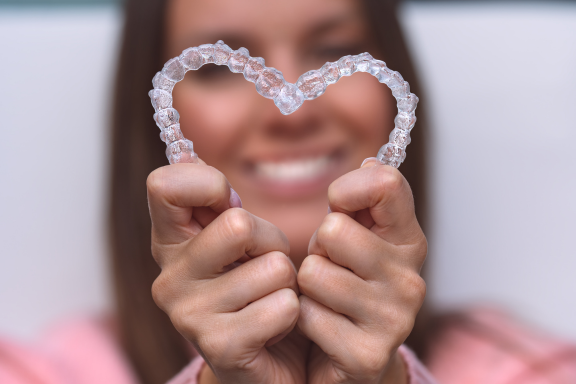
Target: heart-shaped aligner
271,84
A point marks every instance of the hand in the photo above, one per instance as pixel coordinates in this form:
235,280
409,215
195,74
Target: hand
360,284
226,281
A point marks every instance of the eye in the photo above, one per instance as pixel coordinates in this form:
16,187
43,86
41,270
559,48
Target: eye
211,74
334,52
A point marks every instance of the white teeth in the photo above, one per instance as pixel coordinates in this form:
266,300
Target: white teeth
294,169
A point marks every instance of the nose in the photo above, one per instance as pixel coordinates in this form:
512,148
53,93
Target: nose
298,126
307,121
284,57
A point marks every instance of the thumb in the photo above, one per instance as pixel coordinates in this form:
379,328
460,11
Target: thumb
382,192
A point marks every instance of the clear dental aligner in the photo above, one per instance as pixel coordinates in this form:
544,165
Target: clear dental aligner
288,97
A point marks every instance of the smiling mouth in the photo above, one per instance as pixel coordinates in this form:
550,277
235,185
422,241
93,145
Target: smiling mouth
297,177
294,170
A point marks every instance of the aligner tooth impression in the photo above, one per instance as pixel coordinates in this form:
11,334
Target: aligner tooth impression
271,84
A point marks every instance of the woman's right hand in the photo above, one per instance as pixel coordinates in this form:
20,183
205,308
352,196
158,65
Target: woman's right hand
238,316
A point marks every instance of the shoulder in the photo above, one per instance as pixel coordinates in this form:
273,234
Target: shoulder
488,346
78,351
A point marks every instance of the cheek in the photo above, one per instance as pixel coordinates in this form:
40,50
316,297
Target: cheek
212,118
366,107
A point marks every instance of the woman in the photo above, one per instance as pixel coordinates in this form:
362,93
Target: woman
248,140
321,298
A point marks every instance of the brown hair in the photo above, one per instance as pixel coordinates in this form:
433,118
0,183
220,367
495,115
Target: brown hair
155,349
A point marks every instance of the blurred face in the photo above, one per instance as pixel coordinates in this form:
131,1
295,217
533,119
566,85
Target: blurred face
281,166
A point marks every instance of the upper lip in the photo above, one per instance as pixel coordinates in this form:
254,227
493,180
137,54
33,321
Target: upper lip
295,154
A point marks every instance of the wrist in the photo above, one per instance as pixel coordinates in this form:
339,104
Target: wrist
396,372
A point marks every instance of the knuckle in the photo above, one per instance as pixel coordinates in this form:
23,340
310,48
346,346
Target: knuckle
281,268
308,272
217,181
238,223
411,287
416,289
332,228
183,307
186,320
289,303
156,182
370,360
179,315
217,178
339,189
160,292
400,322
335,192
216,346
422,248
400,315
165,290
390,179
404,327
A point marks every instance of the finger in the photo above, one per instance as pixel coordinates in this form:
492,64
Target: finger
205,215
335,287
234,342
331,331
364,218
174,190
232,235
356,356
251,281
386,193
262,320
339,236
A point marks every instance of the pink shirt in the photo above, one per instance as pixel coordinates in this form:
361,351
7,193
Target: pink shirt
489,350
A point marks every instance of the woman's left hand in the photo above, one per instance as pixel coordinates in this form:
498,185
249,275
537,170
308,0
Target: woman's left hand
361,287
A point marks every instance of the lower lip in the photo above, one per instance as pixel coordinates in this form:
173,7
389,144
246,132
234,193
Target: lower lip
297,189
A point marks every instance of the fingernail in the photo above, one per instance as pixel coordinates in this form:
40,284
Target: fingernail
235,201
368,159
329,210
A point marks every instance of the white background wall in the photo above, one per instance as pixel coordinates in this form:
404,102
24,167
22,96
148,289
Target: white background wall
501,83
55,77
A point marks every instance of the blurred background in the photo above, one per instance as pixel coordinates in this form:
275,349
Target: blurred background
501,88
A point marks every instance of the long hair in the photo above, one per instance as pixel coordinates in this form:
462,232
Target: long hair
154,348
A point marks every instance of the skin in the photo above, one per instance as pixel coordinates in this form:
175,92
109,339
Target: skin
293,37
279,291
